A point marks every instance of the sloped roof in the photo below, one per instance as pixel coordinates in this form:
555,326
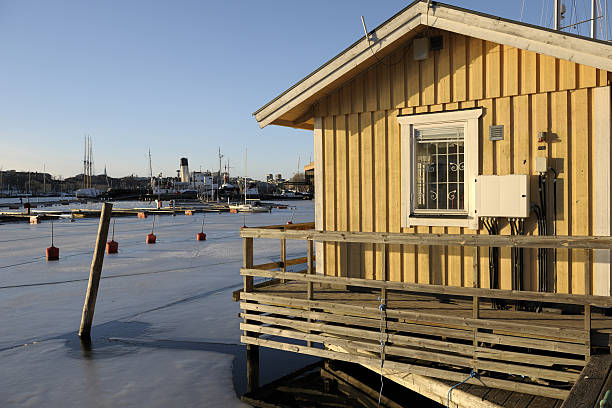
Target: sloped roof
293,107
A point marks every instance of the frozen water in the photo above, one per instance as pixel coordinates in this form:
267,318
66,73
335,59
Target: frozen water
165,328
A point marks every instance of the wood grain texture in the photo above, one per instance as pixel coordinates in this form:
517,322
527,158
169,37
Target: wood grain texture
367,187
329,143
394,187
354,193
459,67
580,140
341,187
381,189
476,69
524,91
560,153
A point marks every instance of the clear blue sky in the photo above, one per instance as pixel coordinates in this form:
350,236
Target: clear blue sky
179,77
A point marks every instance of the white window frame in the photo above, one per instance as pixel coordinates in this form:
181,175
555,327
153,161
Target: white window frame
409,123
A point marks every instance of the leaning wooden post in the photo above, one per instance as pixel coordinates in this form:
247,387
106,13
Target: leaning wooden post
252,349
95,272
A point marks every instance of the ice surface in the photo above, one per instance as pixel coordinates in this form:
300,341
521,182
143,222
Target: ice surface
165,328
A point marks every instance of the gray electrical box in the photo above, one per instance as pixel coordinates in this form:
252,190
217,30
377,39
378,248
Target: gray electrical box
541,164
421,48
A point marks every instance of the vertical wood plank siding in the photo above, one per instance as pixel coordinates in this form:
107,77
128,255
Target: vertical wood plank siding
524,91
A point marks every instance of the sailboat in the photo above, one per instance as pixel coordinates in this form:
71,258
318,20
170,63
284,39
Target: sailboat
253,206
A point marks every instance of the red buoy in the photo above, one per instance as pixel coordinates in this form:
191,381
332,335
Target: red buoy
291,220
151,237
112,246
142,215
188,212
201,236
52,252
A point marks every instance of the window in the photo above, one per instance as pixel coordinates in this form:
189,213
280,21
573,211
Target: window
439,170
439,167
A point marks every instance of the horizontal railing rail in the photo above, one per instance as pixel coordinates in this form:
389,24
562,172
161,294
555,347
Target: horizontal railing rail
465,240
430,289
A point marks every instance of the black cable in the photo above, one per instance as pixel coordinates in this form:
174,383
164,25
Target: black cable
554,232
492,228
538,214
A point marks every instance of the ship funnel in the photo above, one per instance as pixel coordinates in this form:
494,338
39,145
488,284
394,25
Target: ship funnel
184,170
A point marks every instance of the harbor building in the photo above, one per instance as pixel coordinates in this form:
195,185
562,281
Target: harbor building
462,225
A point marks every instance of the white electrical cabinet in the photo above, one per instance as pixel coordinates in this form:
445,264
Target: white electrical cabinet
502,196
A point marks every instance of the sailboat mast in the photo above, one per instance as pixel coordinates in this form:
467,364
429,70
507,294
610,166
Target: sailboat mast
245,173
219,175
593,18
151,173
90,162
84,158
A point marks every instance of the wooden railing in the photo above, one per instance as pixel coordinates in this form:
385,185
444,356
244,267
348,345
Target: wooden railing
504,344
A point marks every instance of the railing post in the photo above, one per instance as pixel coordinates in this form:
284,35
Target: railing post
587,307
251,349
310,268
247,262
283,255
475,315
476,279
475,302
587,271
383,267
309,293
587,331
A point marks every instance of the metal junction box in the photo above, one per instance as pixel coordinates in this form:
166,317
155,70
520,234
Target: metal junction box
502,196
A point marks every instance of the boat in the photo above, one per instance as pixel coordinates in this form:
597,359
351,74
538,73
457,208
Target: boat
87,193
254,206
249,205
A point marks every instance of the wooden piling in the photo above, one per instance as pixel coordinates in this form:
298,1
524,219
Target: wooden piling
95,272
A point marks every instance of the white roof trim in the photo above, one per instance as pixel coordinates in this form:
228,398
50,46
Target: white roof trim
537,39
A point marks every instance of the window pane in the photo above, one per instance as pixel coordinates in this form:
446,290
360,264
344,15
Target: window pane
439,169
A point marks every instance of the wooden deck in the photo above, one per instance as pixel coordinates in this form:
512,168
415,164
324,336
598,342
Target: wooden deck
527,348
432,335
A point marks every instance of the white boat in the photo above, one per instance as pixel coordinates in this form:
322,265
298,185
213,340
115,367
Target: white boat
254,207
87,193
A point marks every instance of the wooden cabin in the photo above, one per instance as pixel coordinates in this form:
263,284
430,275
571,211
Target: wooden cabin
456,154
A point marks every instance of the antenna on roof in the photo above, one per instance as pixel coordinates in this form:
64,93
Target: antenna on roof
365,30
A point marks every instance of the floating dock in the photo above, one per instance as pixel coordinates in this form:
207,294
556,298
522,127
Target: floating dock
182,208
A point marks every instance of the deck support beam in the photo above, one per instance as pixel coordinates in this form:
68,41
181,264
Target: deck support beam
252,350
309,293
